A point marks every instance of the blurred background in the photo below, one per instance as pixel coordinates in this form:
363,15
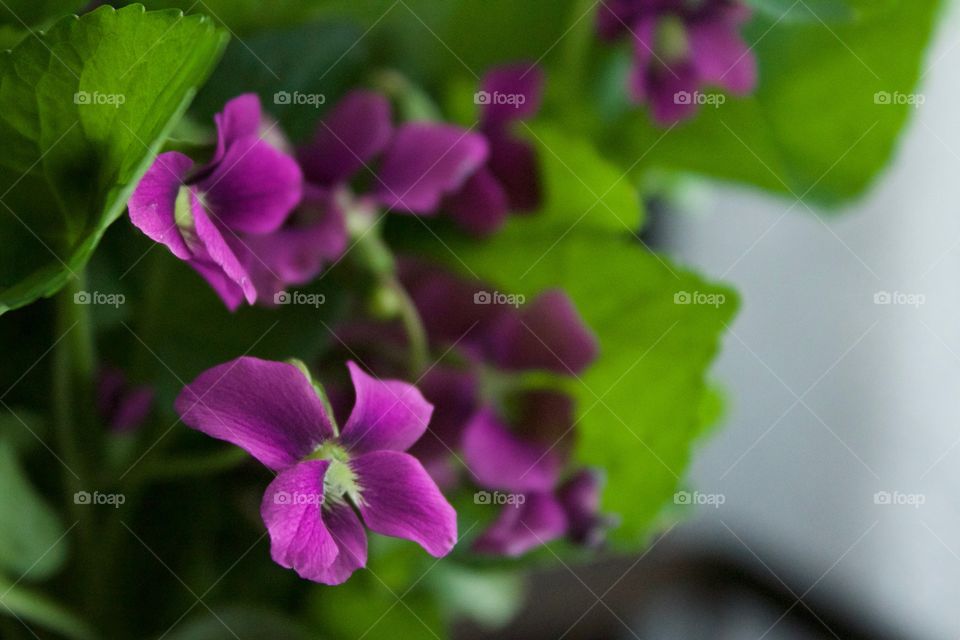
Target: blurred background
837,463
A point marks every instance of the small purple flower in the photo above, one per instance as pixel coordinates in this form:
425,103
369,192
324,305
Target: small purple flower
206,215
500,460
541,509
274,412
580,497
124,407
545,334
414,165
680,46
510,180
313,236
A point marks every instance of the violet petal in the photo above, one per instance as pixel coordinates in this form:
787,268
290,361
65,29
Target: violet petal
546,334
290,509
522,527
722,58
321,543
387,414
514,163
521,88
153,203
241,117
498,459
213,250
351,135
268,408
426,161
480,206
400,499
253,188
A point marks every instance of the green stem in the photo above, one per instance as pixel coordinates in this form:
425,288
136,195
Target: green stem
376,257
73,390
413,325
77,429
185,467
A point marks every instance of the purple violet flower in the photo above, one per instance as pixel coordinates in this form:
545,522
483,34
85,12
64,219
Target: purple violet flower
546,333
274,412
580,497
541,509
510,180
206,215
680,46
414,165
123,406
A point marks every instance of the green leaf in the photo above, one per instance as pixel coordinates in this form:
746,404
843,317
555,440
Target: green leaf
31,534
30,13
814,126
29,606
366,608
829,11
83,109
321,60
245,16
489,597
640,404
22,428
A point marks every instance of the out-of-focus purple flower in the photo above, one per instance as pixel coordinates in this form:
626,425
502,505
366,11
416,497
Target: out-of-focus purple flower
510,180
124,407
206,215
679,47
545,334
413,165
313,236
273,411
462,318
580,498
527,465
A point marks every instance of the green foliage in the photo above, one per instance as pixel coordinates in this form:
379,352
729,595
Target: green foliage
31,544
28,606
83,109
23,14
323,59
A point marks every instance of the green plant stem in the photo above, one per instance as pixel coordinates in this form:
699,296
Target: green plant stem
413,325
79,437
186,467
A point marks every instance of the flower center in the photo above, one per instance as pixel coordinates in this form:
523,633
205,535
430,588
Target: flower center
670,41
339,482
183,215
